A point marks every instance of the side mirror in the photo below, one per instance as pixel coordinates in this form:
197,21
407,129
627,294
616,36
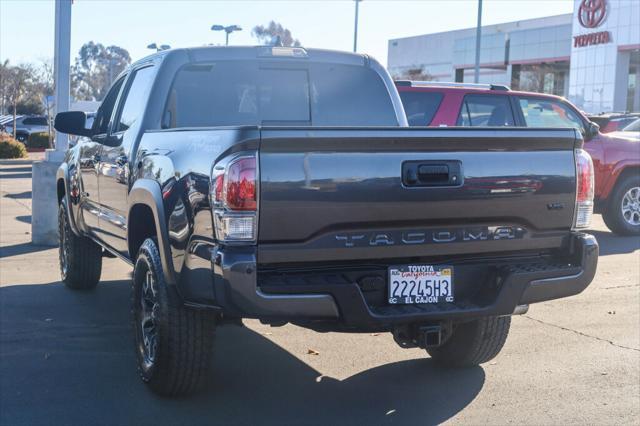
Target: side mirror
72,123
592,130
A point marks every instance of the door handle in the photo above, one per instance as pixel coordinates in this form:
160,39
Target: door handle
122,160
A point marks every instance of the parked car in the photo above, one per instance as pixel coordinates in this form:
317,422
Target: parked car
616,159
283,184
26,125
613,122
631,132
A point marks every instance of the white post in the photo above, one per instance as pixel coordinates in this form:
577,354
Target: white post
61,67
44,207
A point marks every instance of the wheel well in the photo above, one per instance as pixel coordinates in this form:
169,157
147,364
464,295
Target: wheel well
61,190
141,226
628,171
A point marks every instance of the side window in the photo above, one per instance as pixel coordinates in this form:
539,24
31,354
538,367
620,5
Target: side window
485,110
135,99
420,107
35,121
548,113
101,121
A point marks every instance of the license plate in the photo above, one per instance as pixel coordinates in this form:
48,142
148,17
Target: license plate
413,284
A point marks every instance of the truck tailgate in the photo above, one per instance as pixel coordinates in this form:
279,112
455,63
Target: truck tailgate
348,194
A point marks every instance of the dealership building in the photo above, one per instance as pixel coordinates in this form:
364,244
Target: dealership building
591,56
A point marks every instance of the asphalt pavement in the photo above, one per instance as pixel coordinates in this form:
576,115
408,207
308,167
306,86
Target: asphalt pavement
67,357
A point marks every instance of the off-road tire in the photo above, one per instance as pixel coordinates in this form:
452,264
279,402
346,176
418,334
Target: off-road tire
472,343
184,336
612,213
80,258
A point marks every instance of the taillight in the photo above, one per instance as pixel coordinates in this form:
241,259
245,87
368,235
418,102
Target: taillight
240,184
584,189
234,199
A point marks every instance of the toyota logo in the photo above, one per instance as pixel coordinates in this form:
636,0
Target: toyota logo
592,12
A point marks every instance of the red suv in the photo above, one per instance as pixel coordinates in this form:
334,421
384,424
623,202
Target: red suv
616,160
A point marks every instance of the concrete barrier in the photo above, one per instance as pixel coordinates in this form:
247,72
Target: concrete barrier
44,208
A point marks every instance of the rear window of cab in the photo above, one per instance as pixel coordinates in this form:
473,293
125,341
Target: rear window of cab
244,92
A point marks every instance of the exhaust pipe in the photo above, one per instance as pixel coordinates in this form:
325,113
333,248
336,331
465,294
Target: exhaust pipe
521,310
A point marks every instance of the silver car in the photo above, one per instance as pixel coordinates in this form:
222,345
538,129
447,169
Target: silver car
26,125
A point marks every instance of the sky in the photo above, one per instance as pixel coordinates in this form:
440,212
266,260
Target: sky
27,26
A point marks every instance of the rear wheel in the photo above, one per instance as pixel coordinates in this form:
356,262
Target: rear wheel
473,342
173,343
80,258
622,214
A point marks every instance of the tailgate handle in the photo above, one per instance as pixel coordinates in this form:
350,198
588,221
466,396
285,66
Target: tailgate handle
431,173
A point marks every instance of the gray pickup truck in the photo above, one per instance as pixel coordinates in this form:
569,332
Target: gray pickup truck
283,184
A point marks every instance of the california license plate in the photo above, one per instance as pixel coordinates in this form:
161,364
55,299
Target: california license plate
411,284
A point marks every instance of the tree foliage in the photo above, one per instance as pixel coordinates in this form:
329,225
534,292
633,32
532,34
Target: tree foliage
414,74
273,29
95,69
17,84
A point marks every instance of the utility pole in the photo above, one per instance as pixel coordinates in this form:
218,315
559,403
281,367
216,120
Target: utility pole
476,76
355,29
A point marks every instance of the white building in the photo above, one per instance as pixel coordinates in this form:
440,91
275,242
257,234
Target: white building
591,56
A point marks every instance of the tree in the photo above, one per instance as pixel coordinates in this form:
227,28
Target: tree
414,74
4,88
95,69
274,29
39,85
16,83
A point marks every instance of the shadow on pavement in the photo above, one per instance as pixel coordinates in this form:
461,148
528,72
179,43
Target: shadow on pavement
24,219
67,358
611,243
15,175
22,248
16,169
15,162
20,196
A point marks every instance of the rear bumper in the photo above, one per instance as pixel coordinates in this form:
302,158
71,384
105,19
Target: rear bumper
242,292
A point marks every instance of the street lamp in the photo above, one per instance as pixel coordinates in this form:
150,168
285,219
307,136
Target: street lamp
158,48
228,29
476,72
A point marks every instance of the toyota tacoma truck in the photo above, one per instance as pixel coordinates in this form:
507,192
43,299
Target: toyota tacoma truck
283,184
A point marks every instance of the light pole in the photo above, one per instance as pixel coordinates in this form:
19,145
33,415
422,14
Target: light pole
476,75
154,46
355,28
228,29
61,68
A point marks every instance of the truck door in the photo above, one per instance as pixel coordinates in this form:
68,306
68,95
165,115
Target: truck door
90,160
115,170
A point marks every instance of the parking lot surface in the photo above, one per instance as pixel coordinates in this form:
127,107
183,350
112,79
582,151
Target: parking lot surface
67,357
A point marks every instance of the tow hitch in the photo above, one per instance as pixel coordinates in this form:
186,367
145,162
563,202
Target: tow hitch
432,335
421,336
